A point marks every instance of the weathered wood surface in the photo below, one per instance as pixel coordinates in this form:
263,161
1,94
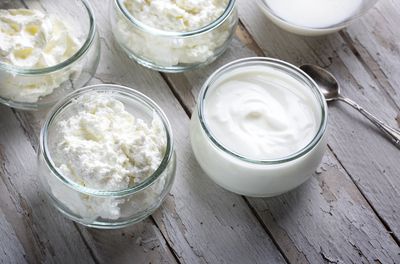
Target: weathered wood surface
370,159
300,222
199,227
45,235
347,213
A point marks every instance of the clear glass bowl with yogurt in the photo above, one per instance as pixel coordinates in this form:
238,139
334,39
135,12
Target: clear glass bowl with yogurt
47,49
107,157
314,17
174,36
259,127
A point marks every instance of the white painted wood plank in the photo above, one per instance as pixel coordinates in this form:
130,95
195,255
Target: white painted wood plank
141,243
370,159
43,232
11,250
376,39
326,219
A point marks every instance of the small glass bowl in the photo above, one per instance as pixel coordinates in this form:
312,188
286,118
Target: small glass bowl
97,208
365,6
244,175
169,51
64,77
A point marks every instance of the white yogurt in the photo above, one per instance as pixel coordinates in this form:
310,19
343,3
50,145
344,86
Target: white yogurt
261,113
260,127
306,16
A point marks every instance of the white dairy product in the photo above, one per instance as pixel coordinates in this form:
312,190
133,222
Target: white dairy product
259,128
261,114
174,16
177,16
314,13
104,147
31,39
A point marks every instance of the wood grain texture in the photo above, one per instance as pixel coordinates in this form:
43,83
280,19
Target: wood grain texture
141,243
327,220
44,234
11,249
369,158
375,40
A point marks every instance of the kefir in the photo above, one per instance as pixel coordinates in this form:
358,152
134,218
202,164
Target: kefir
311,17
259,126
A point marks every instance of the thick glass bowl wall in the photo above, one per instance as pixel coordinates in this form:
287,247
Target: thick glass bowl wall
105,209
172,51
66,76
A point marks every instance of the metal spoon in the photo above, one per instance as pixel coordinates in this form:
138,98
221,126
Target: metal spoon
329,86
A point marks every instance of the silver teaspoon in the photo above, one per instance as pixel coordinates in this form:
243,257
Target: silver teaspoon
330,87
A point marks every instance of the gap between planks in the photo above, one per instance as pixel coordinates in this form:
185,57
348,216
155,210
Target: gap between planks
347,39
381,219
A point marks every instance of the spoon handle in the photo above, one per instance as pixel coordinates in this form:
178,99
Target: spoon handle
393,134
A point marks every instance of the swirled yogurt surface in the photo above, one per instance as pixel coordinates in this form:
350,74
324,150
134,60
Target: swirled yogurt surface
32,39
261,113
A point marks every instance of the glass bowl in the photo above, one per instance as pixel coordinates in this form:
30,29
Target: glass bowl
358,7
36,88
249,176
169,51
97,208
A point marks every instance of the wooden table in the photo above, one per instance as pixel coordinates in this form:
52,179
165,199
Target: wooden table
348,212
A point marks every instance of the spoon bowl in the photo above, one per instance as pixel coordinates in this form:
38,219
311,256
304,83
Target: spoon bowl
326,82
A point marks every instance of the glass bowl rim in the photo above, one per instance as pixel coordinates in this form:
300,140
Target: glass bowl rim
142,26
82,51
106,88
339,25
290,69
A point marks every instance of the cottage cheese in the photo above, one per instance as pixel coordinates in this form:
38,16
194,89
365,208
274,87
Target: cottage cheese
174,16
104,147
32,39
178,16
